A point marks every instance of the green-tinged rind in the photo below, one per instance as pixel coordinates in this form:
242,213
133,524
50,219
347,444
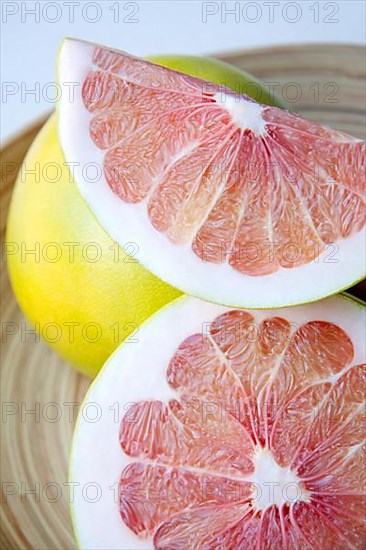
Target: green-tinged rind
220,73
356,299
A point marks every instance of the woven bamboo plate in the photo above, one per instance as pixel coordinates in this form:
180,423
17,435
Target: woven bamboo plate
327,82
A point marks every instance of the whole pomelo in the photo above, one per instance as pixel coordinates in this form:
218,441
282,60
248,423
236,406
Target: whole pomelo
78,288
77,275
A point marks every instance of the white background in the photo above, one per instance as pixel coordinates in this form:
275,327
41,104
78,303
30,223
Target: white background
30,40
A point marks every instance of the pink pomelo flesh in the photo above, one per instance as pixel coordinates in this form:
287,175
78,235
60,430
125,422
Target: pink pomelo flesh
219,172
293,402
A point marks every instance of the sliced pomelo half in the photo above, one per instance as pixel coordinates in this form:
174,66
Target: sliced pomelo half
226,199
224,428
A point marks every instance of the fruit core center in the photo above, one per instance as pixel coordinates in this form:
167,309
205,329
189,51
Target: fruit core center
274,485
246,114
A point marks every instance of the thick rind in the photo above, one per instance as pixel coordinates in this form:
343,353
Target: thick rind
337,268
137,371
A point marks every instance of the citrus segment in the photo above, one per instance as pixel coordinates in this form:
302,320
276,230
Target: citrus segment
151,494
196,527
166,435
342,418
344,478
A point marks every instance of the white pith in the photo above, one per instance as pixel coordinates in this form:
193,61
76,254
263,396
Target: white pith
137,371
274,485
246,115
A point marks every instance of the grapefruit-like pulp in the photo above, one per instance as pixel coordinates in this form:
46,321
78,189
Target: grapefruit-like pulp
226,199
78,288
227,429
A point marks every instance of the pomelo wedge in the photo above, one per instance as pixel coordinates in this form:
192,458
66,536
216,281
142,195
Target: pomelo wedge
226,199
224,428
